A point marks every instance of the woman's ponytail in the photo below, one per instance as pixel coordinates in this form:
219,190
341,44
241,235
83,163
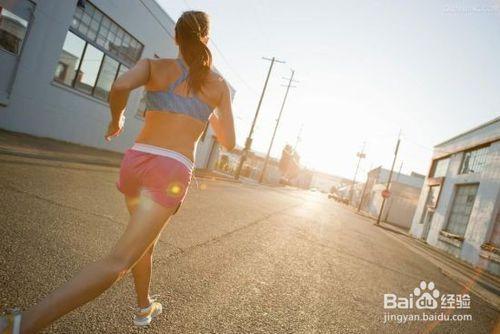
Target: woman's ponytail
191,27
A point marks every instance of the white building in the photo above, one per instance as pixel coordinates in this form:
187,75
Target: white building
400,207
458,209
58,60
324,182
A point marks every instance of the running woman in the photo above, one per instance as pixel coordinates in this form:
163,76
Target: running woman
181,96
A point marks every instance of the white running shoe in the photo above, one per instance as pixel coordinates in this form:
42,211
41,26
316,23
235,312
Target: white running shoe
10,323
144,316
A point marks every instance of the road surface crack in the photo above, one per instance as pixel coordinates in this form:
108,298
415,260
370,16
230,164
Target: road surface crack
228,234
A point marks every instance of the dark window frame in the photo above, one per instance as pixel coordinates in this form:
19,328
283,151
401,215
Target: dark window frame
99,73
97,76
106,53
434,164
80,59
96,45
476,148
29,22
450,210
73,81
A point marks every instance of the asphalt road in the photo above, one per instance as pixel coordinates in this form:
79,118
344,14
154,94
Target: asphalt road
236,259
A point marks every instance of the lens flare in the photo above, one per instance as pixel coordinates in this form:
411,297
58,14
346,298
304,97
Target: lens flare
175,189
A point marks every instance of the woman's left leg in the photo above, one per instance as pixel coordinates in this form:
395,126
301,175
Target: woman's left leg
144,228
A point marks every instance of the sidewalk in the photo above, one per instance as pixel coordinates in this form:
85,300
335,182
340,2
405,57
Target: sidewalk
476,280
23,145
214,175
18,144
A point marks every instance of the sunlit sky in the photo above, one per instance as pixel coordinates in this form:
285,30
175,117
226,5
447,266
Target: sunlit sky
367,69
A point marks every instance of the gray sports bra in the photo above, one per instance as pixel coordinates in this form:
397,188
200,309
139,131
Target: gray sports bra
169,101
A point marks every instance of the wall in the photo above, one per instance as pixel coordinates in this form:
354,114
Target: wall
40,107
414,181
481,223
399,209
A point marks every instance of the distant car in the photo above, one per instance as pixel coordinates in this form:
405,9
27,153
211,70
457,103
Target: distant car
337,197
334,196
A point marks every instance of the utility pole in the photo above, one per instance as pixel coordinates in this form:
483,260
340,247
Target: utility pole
364,189
299,138
389,205
290,80
389,179
360,155
248,142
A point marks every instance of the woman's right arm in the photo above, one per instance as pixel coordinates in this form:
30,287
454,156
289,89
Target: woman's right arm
136,77
222,120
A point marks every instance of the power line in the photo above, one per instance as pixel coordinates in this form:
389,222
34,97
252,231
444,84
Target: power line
157,19
249,87
432,149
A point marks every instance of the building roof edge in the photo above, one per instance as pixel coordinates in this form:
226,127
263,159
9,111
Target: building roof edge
497,119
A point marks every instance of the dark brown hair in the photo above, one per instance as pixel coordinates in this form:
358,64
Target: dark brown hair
191,27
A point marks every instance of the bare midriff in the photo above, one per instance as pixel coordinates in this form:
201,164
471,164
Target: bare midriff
172,131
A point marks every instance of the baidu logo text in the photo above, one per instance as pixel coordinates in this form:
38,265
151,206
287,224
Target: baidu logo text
425,296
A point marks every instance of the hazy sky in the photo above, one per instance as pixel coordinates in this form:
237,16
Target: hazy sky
366,69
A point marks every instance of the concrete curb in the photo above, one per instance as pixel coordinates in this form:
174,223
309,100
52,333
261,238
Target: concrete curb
385,226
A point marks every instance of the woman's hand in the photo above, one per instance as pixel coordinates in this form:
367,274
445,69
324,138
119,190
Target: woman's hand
115,129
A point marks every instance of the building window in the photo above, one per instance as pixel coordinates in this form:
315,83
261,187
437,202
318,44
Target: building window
461,209
430,204
70,59
89,69
432,199
95,27
107,76
61,71
12,31
474,160
95,52
440,167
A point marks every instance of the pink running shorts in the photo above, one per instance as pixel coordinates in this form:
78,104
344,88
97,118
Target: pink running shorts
162,179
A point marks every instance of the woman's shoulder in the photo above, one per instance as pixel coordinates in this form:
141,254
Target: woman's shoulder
161,72
162,63
217,80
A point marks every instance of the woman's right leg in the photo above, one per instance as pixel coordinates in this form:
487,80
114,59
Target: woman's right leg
142,270
144,227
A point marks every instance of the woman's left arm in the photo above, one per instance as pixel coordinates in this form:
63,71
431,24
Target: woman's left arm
136,77
222,120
